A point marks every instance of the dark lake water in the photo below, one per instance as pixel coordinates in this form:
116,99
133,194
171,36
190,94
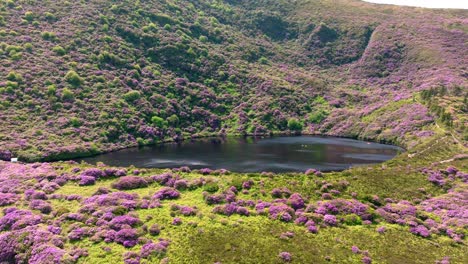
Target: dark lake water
274,154
238,154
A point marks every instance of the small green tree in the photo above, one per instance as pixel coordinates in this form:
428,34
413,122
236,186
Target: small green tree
48,36
59,50
317,116
73,78
132,96
203,39
294,124
67,95
75,122
158,122
14,77
49,16
263,60
28,46
29,16
173,120
51,90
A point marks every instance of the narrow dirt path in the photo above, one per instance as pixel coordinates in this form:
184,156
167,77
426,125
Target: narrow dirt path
459,142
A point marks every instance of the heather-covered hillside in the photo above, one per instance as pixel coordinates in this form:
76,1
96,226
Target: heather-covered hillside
411,209
92,76
85,77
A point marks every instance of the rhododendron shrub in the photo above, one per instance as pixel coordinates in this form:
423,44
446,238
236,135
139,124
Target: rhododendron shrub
127,237
285,256
154,249
87,180
119,222
8,198
184,210
166,194
129,182
40,205
281,212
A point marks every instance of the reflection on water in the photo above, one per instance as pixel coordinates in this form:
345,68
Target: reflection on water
276,154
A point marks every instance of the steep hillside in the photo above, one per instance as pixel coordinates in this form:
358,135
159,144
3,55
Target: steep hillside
84,77
91,76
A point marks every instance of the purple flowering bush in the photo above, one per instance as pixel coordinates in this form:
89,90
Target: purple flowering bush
420,230
41,205
154,249
280,192
119,222
129,182
166,193
127,237
231,208
87,180
281,212
8,198
184,210
285,256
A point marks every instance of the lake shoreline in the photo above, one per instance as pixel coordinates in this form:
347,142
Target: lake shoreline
246,154
91,153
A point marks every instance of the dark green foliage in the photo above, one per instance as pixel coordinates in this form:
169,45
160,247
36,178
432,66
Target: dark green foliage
51,90
294,124
237,182
141,141
203,39
317,116
109,58
75,122
273,25
326,34
158,122
16,55
73,78
61,211
352,219
49,16
263,60
12,84
29,16
129,35
59,50
211,187
67,94
120,210
432,98
173,120
132,96
465,104
28,47
49,36
161,19
14,77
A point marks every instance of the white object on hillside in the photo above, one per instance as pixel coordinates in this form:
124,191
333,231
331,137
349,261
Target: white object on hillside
14,159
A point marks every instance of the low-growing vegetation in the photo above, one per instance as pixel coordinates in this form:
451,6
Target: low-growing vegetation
78,78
